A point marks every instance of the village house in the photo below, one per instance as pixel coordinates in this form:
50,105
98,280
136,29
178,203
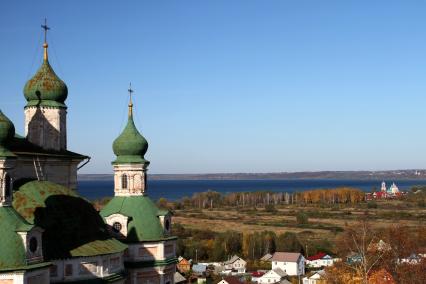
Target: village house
319,260
317,277
266,257
230,280
235,264
272,276
290,262
183,265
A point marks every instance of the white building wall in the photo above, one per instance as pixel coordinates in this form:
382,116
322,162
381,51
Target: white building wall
291,268
83,268
60,171
46,127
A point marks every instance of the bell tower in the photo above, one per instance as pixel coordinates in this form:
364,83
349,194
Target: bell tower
130,166
45,112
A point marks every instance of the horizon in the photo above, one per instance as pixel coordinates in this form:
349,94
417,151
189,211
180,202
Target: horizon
241,87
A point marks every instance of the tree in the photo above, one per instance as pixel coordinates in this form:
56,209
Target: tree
360,240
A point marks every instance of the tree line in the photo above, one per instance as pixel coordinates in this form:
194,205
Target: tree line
213,199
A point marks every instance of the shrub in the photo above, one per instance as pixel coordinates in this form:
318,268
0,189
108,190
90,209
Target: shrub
302,218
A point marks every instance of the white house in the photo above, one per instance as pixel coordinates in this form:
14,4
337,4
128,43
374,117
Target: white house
272,276
236,263
230,280
290,262
319,260
317,277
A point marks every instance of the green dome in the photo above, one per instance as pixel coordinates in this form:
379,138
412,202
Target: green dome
7,132
72,227
130,146
45,88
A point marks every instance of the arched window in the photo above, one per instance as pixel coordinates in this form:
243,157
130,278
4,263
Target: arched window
7,186
124,181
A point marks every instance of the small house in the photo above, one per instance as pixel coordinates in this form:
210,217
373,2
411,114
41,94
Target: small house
272,276
291,263
235,263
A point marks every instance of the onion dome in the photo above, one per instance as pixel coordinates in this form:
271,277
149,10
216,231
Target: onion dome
130,146
45,88
7,132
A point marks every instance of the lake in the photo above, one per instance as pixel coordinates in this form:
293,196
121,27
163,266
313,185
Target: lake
176,189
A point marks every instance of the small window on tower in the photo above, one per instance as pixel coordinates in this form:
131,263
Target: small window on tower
124,181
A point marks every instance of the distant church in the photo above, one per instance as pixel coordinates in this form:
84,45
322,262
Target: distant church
51,235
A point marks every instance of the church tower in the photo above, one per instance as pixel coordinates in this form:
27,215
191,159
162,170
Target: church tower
130,166
133,218
45,112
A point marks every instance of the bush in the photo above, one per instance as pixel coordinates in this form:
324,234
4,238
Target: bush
372,205
302,218
270,208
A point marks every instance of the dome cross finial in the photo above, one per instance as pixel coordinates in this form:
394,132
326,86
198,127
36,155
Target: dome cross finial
45,28
130,90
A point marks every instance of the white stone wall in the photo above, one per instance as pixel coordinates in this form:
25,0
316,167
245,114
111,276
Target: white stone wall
152,275
83,268
136,179
38,276
46,127
6,168
150,251
60,171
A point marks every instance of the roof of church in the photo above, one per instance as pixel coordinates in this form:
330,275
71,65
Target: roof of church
45,88
21,146
144,224
7,131
72,227
12,249
130,146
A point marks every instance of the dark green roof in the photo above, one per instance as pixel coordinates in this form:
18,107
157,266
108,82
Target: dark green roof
144,223
20,146
12,249
45,88
7,131
72,227
130,146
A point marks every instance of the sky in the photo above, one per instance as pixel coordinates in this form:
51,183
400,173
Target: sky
231,86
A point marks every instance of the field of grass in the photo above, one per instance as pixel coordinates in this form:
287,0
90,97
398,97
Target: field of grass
323,222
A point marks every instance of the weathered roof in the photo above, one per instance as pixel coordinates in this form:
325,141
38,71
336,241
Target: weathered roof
199,268
266,257
319,255
144,223
45,88
280,272
286,256
20,146
232,280
233,259
12,249
72,227
7,131
178,278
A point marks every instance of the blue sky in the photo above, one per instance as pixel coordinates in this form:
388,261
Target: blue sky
231,86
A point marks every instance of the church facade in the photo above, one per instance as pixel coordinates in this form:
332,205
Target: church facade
52,235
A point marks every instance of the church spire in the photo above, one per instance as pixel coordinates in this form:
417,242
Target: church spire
130,90
45,45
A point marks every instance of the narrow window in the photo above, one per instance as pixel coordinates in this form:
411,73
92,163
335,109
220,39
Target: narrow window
7,186
124,181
